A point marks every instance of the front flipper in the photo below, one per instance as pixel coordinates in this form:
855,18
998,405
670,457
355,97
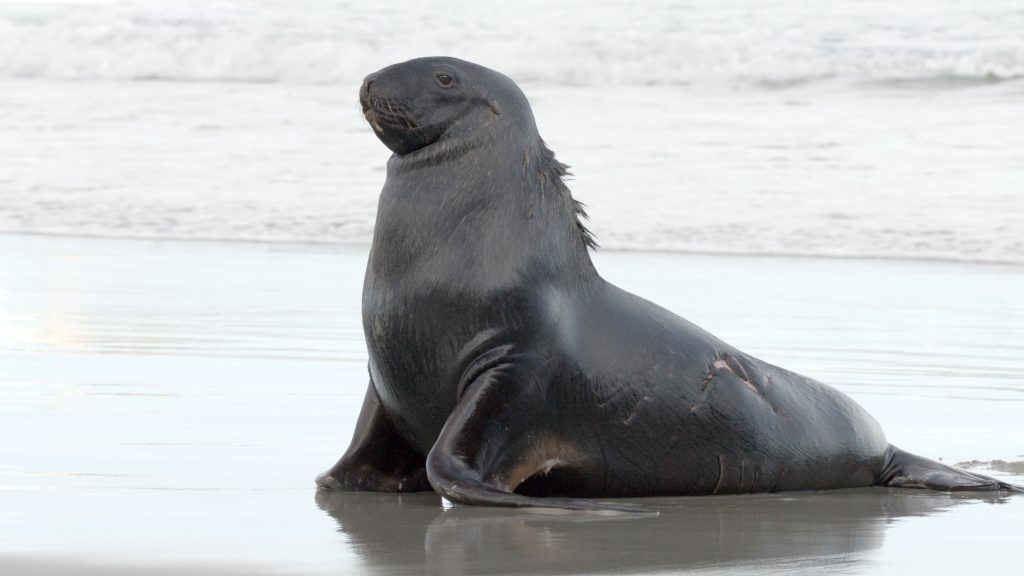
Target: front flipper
378,459
906,470
489,445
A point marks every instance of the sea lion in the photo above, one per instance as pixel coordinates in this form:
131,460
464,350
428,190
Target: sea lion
505,371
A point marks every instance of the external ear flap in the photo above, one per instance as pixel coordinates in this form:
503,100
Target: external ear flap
494,107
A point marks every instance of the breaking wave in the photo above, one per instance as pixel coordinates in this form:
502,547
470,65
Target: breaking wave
578,43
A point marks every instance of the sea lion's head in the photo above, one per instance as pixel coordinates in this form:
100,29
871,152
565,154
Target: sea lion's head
427,100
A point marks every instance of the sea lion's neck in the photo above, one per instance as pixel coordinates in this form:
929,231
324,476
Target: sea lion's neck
492,210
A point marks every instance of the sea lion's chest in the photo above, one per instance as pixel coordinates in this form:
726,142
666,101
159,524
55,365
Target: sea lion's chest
410,337
421,336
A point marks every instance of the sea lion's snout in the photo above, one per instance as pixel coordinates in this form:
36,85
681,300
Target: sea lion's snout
364,92
366,102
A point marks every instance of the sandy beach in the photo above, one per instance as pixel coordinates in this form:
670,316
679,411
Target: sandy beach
165,406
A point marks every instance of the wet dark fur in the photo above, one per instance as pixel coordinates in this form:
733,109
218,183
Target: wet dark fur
505,371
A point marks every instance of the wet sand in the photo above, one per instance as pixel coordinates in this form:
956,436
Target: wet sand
164,407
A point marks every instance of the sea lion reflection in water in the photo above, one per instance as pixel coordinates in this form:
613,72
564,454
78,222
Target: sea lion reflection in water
793,533
505,371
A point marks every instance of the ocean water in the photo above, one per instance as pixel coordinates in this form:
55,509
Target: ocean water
878,129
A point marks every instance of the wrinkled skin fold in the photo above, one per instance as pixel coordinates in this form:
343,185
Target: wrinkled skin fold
505,371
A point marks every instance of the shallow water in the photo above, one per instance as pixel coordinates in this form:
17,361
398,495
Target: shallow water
165,406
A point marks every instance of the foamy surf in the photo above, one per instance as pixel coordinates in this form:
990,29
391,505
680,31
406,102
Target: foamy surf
315,41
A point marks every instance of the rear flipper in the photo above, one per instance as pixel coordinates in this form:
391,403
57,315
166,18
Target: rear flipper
906,470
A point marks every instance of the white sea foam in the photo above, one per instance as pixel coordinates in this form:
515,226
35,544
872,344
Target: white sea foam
576,42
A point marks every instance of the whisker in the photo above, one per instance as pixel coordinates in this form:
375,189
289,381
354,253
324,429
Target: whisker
392,112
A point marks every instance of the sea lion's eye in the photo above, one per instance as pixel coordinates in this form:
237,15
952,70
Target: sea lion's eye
445,81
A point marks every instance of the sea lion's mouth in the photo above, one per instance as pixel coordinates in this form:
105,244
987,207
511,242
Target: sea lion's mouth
394,123
386,112
371,116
